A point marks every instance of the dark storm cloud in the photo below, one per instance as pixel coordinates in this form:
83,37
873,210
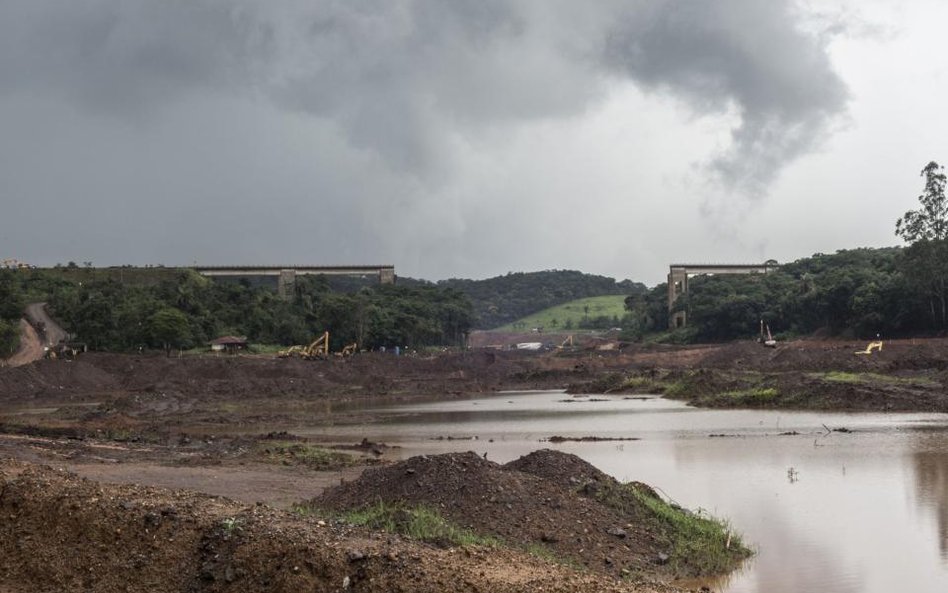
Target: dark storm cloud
121,57
400,78
744,55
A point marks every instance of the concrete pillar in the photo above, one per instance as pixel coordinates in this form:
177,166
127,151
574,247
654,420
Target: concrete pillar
387,276
286,284
677,286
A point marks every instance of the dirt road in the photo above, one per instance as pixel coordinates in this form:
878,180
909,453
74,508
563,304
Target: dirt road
38,317
32,343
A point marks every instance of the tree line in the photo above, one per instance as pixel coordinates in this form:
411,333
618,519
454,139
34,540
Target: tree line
11,310
183,309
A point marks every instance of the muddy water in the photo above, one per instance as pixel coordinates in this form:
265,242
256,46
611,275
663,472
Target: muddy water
861,511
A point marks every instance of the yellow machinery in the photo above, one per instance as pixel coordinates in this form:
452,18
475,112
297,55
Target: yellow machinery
873,346
318,348
567,343
348,350
766,339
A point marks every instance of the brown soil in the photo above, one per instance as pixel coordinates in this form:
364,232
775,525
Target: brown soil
31,347
202,423
544,499
62,533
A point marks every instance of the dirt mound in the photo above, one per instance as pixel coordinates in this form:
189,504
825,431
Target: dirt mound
547,500
567,470
57,378
61,533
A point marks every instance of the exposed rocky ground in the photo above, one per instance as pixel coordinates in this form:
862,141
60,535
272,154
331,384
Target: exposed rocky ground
206,424
62,533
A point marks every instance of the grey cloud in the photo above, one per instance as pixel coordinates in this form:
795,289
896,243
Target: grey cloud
400,78
744,55
126,57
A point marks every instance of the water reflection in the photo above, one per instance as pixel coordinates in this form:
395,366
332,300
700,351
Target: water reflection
931,480
844,523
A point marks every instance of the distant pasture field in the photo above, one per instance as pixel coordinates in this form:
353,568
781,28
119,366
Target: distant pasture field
568,316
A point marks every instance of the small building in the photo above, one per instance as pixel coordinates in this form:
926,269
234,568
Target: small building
229,344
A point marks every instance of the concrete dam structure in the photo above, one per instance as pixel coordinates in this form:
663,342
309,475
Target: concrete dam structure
678,275
286,275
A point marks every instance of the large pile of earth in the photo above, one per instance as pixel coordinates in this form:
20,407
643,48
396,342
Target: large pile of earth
62,533
217,377
547,499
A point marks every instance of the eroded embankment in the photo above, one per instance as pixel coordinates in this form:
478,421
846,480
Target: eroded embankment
62,533
820,390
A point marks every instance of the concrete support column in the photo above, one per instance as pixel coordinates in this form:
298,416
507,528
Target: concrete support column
677,286
286,284
387,276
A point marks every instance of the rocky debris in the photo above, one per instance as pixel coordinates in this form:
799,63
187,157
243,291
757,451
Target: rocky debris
62,533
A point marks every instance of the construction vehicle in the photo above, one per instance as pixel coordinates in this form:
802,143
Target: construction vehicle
872,347
567,343
64,350
766,339
348,350
317,349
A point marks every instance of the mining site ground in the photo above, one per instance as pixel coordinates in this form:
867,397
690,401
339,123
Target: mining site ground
149,473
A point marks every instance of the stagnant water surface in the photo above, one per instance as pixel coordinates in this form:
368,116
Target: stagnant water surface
861,511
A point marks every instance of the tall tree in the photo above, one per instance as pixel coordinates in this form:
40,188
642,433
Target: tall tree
170,327
930,222
926,229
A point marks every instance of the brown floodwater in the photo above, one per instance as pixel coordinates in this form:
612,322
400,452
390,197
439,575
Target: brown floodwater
860,510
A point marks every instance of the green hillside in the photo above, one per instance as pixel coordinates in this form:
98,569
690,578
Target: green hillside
507,299
599,312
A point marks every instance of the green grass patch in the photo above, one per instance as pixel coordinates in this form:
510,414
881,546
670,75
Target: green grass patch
862,378
752,397
419,523
697,543
567,316
755,394
300,453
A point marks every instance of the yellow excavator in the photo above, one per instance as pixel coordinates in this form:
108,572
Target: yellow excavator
872,347
767,338
317,349
348,350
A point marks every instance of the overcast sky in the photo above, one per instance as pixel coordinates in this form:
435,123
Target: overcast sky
464,138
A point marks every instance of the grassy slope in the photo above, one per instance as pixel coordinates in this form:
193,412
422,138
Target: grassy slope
574,310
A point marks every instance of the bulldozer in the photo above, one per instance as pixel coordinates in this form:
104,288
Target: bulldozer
317,349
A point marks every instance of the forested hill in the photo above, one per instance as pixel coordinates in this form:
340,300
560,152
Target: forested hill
855,292
504,299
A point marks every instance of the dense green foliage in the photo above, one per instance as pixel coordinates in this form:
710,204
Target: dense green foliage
858,292
926,259
504,299
11,309
185,309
